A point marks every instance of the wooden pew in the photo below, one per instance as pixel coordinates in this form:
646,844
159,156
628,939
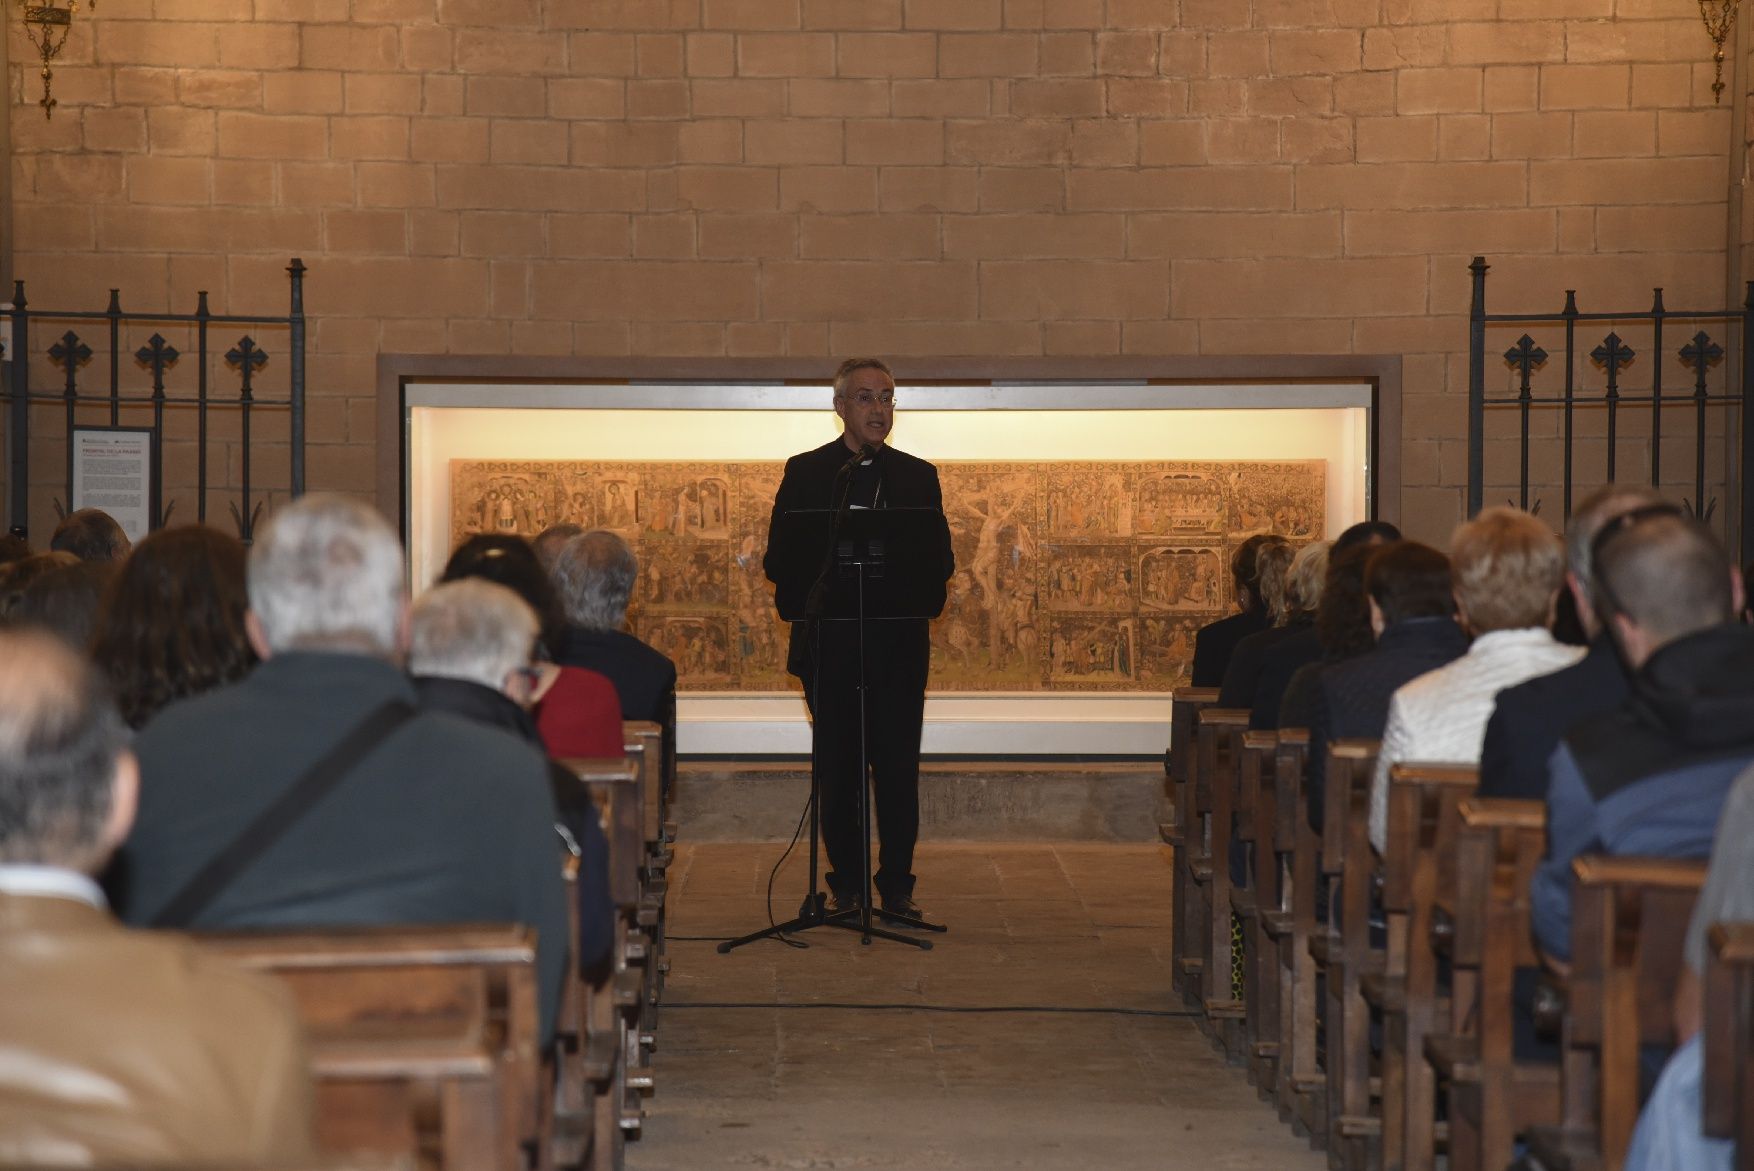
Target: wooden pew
423,1039
1423,801
1492,1097
1260,907
1728,1026
1628,925
1219,755
1185,835
614,1012
646,741
1344,949
1301,1090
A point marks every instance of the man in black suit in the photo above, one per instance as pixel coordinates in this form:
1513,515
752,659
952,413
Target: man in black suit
896,658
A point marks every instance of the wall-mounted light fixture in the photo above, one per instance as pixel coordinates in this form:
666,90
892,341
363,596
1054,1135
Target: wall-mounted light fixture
1720,18
47,25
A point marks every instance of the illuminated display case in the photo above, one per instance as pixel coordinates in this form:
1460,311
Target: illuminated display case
1042,431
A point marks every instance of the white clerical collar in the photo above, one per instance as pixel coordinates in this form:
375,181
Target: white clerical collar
51,882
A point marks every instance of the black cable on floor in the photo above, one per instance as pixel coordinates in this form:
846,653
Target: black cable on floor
1075,1010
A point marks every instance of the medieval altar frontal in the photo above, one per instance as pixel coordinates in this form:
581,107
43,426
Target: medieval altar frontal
1071,575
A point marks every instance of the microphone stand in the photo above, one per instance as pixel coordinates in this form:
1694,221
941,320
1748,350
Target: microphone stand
814,911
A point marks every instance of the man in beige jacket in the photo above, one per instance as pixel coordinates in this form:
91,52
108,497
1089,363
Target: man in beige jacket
116,1046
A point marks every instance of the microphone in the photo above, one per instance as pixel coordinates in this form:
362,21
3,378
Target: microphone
867,452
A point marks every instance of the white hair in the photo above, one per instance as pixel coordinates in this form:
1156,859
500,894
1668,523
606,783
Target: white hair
594,574
471,629
326,574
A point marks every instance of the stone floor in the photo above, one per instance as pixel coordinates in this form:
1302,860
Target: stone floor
1079,927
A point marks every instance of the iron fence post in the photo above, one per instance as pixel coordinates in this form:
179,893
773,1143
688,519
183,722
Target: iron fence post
1746,538
296,374
1477,387
201,315
18,431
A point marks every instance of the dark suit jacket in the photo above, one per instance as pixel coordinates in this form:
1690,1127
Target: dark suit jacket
1215,642
1283,659
1353,696
906,481
1529,720
644,678
445,821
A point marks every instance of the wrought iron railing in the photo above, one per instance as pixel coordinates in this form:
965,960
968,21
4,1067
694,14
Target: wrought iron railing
72,353
1710,397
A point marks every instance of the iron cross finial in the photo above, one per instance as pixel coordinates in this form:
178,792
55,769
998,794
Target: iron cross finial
159,355
1526,356
248,358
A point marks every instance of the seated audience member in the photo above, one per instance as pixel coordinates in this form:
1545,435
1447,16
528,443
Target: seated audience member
1309,575
172,624
1273,583
1411,606
1650,776
13,548
1669,1135
90,534
577,711
1506,567
595,574
551,540
1216,641
1344,631
1528,719
15,577
469,652
432,819
65,601
122,1048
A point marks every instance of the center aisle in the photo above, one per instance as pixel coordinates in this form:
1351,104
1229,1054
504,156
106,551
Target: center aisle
1081,926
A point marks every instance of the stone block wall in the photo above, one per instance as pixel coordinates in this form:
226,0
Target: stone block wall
753,178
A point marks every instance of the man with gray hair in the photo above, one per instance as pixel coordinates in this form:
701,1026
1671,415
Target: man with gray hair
429,819
1528,719
594,575
470,655
550,541
121,1047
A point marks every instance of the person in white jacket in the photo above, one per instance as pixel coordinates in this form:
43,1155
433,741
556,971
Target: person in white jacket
1506,568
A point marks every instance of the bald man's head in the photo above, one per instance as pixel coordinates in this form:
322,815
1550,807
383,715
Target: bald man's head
66,775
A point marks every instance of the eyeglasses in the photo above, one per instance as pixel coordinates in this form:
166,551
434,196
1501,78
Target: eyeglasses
866,398
531,675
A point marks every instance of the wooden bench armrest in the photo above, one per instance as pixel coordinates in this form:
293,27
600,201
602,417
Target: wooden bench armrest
1661,873
1503,813
1460,774
1205,695
1260,739
375,947
1225,717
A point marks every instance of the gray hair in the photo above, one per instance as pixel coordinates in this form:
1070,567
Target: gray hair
594,574
471,629
327,573
843,376
1309,571
550,541
60,738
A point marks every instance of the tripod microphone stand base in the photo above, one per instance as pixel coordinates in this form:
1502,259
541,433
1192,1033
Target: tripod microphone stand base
815,913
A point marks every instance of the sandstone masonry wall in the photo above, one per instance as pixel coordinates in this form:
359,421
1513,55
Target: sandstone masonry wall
909,177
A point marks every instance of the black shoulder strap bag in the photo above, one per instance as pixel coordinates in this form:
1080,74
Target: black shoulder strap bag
285,811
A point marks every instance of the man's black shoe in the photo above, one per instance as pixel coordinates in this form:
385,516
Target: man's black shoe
903,907
841,904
